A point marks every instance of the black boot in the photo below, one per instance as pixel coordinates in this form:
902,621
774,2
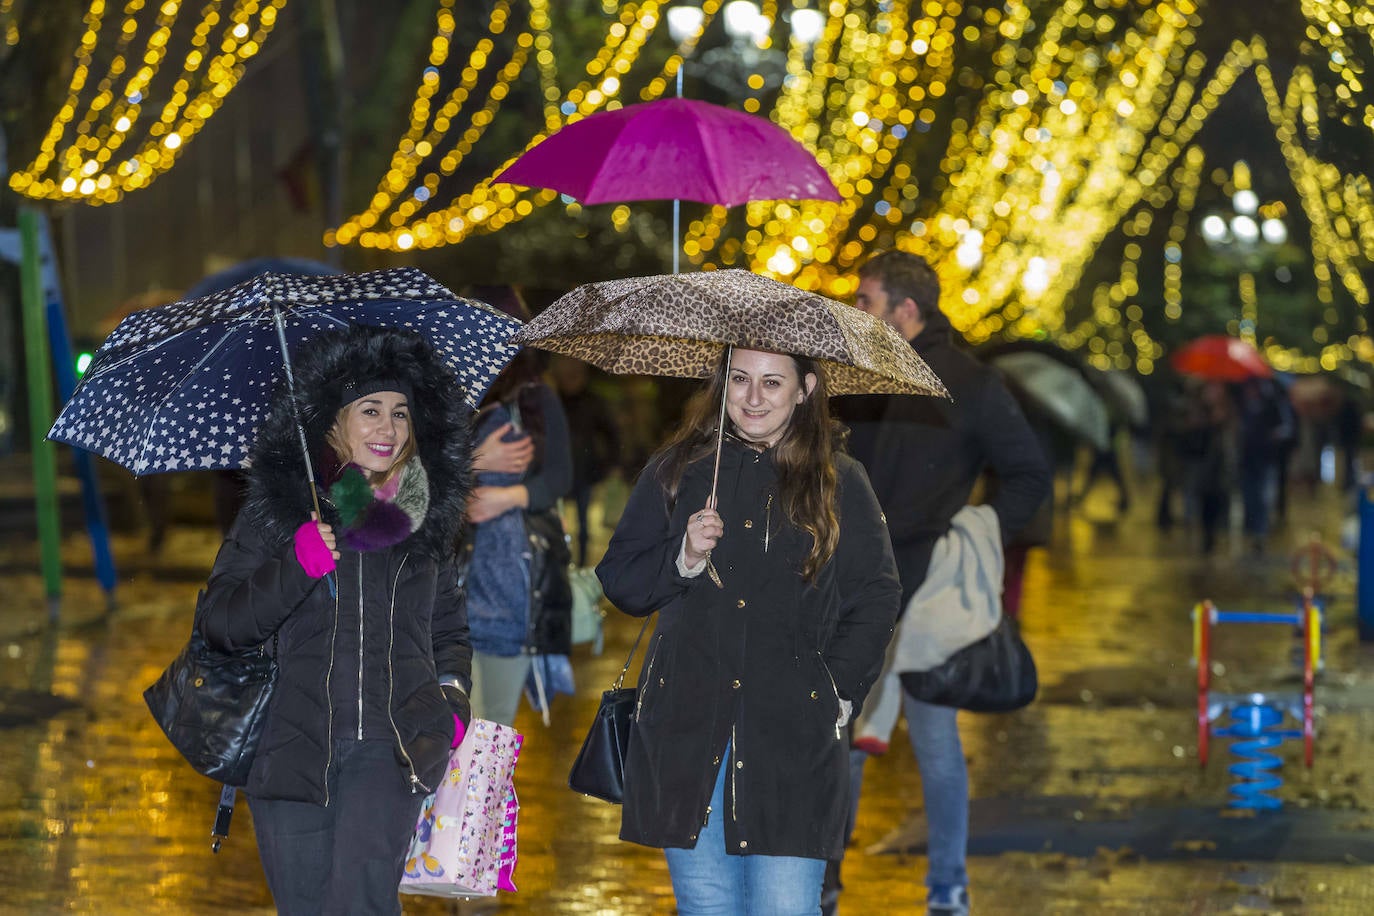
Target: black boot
830,889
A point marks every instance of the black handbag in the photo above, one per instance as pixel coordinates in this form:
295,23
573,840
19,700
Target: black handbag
995,674
599,770
212,706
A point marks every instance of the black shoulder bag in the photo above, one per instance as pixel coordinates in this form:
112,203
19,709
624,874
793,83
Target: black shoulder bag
212,706
599,770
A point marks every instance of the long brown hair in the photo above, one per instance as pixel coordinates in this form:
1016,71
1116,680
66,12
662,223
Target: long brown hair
804,456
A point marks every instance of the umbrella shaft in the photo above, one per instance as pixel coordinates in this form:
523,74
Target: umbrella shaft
720,425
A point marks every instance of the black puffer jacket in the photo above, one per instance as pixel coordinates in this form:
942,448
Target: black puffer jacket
365,662
925,454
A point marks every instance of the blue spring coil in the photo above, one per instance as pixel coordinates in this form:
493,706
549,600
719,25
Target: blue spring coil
1256,772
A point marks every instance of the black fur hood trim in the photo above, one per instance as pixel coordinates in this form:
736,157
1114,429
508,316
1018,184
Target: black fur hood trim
278,499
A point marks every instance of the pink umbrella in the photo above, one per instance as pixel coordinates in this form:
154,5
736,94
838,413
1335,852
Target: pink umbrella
673,149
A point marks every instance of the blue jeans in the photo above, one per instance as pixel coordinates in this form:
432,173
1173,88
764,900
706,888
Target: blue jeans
944,786
709,882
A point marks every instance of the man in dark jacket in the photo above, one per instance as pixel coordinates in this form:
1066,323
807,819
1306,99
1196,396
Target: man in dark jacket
924,456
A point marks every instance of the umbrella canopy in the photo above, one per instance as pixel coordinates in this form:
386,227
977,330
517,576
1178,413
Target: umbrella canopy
184,386
1219,358
1059,391
1125,398
679,324
136,303
673,149
244,271
1119,390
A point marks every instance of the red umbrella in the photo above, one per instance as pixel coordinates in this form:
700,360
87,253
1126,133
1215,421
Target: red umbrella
1220,358
673,149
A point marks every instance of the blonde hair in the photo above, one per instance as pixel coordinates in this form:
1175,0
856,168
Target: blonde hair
337,441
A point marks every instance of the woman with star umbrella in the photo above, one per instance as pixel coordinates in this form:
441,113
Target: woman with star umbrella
373,678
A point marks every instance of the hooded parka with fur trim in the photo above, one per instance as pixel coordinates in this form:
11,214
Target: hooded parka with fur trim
366,661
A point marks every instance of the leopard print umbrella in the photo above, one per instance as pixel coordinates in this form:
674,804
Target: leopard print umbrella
679,324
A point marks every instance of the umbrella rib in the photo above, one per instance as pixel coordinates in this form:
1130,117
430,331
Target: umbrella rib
228,332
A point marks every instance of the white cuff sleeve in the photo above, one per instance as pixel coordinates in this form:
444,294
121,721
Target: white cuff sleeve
690,572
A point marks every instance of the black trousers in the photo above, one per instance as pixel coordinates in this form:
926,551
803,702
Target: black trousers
347,857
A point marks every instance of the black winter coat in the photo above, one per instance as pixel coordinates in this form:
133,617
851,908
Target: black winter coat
759,665
925,454
366,662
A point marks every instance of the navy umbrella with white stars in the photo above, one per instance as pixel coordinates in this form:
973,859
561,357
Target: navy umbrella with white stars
184,386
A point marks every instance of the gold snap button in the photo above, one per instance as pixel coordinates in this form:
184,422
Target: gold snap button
739,603
748,523
735,684
813,694
200,682
743,844
739,764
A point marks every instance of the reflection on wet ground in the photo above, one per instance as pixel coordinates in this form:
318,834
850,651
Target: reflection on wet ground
1089,801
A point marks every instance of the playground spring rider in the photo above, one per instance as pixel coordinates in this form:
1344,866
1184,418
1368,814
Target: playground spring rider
1255,717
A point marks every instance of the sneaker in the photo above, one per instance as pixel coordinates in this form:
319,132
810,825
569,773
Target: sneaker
875,747
947,900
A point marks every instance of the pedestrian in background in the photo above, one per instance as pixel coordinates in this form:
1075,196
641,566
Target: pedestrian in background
593,434
924,456
374,663
776,600
523,466
1265,426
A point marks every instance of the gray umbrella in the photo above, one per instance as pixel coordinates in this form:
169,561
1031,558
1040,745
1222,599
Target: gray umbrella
1061,392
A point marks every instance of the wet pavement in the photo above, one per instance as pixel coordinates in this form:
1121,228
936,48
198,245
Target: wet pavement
1089,801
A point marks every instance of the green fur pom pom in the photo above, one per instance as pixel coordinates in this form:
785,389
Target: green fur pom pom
350,494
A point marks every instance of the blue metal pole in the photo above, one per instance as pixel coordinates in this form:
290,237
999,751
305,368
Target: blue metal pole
97,522
1365,569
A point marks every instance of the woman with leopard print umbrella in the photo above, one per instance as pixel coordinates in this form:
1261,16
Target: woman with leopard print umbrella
738,767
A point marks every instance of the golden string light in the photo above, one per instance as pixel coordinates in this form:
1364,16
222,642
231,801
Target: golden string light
392,219
138,119
1078,124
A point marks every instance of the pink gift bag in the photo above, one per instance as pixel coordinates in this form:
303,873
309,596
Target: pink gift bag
464,843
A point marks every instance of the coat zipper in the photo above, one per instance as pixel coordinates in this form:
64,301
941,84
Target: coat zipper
648,672
329,698
360,647
767,522
833,689
415,784
734,789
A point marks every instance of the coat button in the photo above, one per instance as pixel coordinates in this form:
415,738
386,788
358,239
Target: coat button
735,684
714,762
743,844
739,764
813,694
661,682
748,523
739,603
